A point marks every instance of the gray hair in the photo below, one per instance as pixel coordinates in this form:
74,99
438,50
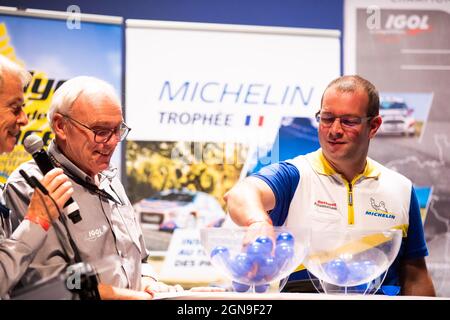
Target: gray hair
8,66
69,91
353,82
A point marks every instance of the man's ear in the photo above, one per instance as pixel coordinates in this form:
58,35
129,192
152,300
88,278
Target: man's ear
375,124
59,125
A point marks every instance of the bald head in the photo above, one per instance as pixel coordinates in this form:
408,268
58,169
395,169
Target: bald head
83,87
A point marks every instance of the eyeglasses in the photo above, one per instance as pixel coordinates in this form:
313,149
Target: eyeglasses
327,120
104,135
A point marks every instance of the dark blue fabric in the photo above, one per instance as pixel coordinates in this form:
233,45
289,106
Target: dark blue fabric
413,246
4,211
283,179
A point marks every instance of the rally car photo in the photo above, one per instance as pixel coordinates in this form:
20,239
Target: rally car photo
167,210
397,118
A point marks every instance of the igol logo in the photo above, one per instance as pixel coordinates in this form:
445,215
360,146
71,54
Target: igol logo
397,24
412,22
94,234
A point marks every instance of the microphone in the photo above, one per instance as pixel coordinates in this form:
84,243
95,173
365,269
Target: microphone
33,182
35,146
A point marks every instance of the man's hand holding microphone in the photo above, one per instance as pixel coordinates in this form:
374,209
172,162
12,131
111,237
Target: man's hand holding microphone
42,210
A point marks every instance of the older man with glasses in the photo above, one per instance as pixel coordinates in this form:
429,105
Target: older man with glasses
341,175
86,117
18,249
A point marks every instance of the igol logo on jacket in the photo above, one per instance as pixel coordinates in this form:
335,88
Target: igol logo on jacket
96,233
379,210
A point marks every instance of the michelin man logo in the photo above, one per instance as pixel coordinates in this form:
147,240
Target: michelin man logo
378,207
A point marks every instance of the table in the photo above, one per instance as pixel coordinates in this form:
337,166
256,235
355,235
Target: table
188,295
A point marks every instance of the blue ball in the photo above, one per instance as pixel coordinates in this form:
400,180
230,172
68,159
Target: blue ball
240,265
390,290
254,248
370,267
257,251
262,288
240,287
220,256
221,251
359,271
337,270
283,253
286,237
266,244
268,268
256,277
356,271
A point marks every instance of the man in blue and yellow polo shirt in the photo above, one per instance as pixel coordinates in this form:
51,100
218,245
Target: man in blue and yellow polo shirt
338,186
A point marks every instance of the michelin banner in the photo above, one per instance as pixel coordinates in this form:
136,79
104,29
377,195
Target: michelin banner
54,47
206,101
403,47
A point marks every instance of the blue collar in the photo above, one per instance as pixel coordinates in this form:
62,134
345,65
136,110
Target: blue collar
4,211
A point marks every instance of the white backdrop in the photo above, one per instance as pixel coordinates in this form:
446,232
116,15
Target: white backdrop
223,83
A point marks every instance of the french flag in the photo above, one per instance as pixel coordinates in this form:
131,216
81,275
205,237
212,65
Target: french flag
248,120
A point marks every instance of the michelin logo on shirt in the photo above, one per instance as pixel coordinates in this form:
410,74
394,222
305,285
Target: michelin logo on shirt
380,210
94,234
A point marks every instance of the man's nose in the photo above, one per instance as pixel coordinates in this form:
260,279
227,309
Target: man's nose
115,138
22,120
336,127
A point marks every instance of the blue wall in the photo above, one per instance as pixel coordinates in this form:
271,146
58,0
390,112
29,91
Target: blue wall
323,14
326,14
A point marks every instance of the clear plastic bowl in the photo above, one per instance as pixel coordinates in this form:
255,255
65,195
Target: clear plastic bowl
255,258
351,258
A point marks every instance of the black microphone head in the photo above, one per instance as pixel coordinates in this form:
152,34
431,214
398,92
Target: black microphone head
33,144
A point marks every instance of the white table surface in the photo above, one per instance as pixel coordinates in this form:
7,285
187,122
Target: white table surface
188,295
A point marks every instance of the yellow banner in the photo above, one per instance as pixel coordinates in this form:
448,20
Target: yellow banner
38,95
